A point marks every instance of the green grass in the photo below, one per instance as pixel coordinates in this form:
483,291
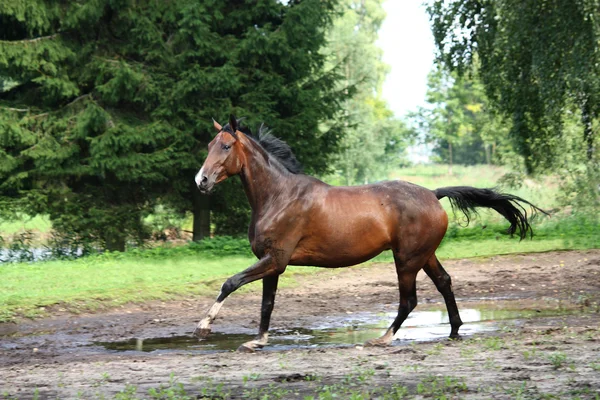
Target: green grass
542,193
85,284
24,223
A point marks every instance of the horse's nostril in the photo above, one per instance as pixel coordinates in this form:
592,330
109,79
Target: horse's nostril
204,179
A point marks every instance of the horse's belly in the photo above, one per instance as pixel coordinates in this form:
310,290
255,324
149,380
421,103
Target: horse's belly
347,230
336,251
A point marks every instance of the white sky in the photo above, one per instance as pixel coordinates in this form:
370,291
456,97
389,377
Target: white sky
408,48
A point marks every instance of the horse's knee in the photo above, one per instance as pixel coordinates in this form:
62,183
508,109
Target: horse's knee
446,281
228,287
409,305
268,304
412,303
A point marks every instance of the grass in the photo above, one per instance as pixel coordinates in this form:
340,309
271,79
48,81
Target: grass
28,288
38,223
542,193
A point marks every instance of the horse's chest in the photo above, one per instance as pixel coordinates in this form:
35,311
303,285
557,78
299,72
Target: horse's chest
261,238
267,234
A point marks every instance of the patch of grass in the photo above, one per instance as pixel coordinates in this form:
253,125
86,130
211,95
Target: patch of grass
468,352
272,391
557,359
250,377
452,249
112,280
433,176
493,343
438,387
171,391
38,223
435,350
529,354
522,391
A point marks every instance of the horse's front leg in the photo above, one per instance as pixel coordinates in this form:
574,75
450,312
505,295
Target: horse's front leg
265,267
268,302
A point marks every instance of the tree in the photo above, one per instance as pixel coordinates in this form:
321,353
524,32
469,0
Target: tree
458,119
373,140
111,109
536,59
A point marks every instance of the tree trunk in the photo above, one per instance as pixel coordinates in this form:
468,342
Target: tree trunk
588,132
449,158
201,210
488,156
115,243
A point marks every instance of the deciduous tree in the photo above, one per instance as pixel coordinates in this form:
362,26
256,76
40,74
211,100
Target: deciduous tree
537,59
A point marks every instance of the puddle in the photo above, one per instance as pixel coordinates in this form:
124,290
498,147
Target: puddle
341,331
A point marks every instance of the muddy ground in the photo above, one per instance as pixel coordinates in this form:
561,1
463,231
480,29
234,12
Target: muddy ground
552,351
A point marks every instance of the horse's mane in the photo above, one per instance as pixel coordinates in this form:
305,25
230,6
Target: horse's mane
272,145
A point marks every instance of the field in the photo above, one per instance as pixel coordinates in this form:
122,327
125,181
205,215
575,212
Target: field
118,325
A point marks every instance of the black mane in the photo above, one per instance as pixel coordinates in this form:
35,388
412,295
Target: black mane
272,145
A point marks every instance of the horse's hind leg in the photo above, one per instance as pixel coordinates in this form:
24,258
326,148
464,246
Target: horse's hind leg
443,282
268,302
407,285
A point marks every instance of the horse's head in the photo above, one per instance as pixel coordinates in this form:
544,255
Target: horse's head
224,156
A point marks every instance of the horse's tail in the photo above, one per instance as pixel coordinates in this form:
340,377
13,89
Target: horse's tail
467,198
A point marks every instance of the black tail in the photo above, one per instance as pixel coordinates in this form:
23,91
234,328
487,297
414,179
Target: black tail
467,198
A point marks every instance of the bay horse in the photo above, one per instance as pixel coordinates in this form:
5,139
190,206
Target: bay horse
300,220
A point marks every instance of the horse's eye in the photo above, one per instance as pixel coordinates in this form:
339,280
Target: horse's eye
226,147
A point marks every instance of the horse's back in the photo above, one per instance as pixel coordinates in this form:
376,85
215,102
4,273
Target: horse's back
348,225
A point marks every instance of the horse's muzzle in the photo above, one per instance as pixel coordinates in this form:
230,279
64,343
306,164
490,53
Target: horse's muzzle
204,183
205,187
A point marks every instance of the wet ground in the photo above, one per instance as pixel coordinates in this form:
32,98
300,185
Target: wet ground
531,326
335,332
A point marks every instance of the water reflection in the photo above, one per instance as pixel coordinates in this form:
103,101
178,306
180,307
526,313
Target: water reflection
336,331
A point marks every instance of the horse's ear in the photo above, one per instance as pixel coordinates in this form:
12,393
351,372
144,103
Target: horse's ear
233,123
218,127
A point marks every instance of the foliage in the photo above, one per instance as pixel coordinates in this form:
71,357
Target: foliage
458,120
231,213
372,140
537,60
18,248
110,113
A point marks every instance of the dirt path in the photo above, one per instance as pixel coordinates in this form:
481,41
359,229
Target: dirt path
548,355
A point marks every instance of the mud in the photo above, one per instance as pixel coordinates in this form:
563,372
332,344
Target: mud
544,339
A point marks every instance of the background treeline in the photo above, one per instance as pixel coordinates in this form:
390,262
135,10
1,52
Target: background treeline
106,106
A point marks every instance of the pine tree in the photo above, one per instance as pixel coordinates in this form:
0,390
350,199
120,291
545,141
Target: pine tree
110,105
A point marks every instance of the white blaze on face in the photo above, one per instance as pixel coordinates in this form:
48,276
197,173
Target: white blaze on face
198,178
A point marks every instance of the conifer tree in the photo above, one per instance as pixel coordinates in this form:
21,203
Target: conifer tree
109,104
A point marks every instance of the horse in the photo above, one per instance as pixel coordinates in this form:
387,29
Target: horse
299,220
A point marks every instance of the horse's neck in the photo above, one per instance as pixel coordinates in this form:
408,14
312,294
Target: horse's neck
263,181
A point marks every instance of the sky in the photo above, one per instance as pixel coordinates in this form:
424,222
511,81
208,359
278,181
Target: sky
408,48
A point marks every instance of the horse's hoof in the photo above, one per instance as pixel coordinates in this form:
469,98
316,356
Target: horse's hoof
377,343
201,333
245,348
455,336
